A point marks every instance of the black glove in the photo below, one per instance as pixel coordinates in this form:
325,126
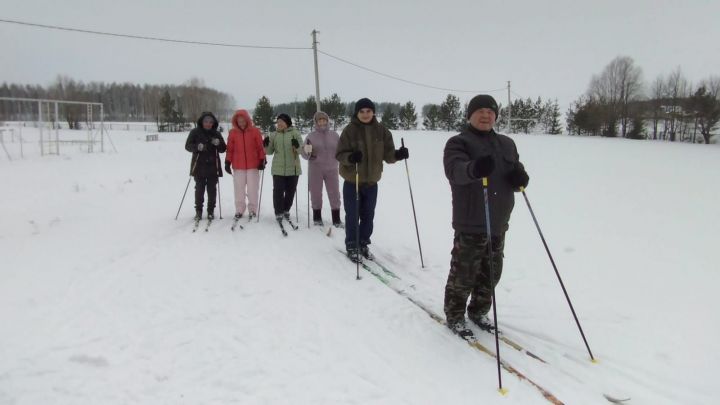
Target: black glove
200,147
518,177
402,153
266,141
295,143
227,167
483,166
262,164
355,157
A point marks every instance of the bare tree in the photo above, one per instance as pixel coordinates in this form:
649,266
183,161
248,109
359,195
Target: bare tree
617,86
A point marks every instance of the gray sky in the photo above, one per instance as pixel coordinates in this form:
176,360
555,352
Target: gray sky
548,49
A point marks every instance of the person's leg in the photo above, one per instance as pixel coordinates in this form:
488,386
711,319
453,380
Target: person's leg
290,188
368,201
239,182
351,208
253,187
212,183
278,194
481,296
199,195
465,263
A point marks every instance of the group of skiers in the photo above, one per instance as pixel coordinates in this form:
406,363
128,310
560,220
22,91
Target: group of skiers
478,160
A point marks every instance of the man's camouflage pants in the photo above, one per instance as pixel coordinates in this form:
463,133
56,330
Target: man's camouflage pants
470,275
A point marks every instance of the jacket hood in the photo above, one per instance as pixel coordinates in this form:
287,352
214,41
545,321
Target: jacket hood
319,115
207,114
246,117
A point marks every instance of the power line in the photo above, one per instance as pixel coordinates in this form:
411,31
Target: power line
223,44
177,41
405,80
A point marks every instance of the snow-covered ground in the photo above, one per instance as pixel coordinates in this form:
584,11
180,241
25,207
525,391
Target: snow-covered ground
106,299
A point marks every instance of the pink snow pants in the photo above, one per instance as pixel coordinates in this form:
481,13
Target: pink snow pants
318,175
247,183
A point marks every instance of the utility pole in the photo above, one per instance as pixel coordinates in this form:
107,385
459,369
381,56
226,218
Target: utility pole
509,110
317,76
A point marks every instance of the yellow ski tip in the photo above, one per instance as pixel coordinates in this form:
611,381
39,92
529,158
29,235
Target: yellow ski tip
503,391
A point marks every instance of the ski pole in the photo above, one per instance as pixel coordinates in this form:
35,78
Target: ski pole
562,285
412,201
219,171
357,223
219,197
183,198
262,179
307,142
186,188
492,279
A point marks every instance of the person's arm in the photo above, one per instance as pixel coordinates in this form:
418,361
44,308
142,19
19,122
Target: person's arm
222,147
230,152
344,148
388,147
270,148
190,144
457,162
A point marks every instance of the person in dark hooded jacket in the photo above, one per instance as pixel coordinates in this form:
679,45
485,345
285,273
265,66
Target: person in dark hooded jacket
206,144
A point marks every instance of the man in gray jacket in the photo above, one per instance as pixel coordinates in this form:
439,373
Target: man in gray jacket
478,152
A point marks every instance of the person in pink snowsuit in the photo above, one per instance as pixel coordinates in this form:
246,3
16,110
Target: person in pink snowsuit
244,159
319,151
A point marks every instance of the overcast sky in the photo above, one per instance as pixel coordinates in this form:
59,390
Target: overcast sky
549,49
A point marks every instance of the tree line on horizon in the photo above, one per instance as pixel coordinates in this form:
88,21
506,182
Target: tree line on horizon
617,103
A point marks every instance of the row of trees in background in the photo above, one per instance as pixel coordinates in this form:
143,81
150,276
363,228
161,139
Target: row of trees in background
165,104
392,115
618,103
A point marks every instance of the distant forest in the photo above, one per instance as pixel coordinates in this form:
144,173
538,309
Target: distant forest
617,103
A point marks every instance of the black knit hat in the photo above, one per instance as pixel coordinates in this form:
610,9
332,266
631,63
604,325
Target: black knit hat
482,101
285,118
364,103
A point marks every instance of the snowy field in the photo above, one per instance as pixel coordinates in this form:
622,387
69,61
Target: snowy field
106,299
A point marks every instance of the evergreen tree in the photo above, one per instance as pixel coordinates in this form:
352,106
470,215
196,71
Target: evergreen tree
335,109
407,116
309,108
167,108
553,119
389,119
450,114
431,120
263,116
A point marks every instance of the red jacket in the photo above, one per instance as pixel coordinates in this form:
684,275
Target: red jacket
244,146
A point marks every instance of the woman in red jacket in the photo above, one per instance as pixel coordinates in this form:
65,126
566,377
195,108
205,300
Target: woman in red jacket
245,157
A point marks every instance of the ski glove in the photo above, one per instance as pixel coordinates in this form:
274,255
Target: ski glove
355,157
518,177
227,167
216,141
266,141
483,166
402,153
200,147
262,164
295,143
